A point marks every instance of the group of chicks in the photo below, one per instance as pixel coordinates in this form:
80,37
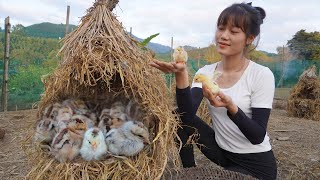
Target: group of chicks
72,128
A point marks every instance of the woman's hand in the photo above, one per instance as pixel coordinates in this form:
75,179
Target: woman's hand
180,70
169,67
220,100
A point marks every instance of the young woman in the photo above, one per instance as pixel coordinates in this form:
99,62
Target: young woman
237,139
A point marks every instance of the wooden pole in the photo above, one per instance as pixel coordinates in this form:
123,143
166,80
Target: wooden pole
67,20
171,54
5,90
131,31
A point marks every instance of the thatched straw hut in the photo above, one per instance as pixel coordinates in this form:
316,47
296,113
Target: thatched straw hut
304,100
101,63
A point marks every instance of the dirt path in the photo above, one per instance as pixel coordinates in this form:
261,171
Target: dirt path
295,142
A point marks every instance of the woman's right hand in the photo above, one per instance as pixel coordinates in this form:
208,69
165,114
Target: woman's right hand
169,67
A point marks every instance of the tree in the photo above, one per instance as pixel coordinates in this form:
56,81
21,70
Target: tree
211,55
305,45
18,29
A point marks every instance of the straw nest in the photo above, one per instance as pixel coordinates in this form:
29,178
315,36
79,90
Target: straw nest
304,100
102,63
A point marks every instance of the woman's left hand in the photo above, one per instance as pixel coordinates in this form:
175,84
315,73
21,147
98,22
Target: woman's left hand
220,100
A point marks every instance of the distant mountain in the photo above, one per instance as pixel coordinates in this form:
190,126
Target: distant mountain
189,48
47,30
157,48
56,31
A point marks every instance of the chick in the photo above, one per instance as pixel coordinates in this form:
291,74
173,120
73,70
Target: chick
51,111
45,131
117,110
133,110
128,140
64,116
80,123
209,81
94,146
66,145
107,122
180,55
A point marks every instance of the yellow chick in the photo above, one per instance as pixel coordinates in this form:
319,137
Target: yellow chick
180,55
208,81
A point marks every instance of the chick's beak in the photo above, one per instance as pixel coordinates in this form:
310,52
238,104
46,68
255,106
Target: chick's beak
146,141
94,145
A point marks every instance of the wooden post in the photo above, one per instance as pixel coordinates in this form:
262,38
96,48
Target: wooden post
67,20
171,53
5,90
131,31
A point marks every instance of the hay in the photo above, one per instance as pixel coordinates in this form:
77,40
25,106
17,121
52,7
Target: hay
102,63
304,100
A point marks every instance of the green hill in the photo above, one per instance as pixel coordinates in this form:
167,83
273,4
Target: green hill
47,30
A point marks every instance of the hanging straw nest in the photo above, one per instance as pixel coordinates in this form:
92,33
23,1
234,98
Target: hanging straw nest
304,100
102,63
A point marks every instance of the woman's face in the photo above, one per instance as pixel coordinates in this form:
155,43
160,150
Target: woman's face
230,40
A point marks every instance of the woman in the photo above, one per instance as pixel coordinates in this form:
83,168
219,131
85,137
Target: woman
237,139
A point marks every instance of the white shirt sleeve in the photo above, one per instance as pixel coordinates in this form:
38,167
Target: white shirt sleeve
263,89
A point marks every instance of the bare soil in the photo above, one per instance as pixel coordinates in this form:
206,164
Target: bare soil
295,143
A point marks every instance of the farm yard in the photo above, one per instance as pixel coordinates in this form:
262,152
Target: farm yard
97,92
294,141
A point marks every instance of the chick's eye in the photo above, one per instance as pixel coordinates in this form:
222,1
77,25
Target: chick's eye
89,142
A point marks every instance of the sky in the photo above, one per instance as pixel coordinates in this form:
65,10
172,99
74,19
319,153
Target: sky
189,22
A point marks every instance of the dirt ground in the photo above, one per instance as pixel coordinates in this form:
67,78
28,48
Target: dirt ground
295,143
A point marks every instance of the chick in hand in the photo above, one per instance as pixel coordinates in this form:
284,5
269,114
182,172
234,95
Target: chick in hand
180,55
128,140
93,145
209,81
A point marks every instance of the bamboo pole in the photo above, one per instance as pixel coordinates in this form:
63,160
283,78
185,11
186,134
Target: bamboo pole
67,20
5,90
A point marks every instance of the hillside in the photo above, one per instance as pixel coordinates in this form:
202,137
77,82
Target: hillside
56,31
47,30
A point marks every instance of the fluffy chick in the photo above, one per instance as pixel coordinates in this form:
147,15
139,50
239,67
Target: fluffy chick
94,146
208,81
66,145
128,140
180,55
64,116
80,123
117,110
107,122
45,131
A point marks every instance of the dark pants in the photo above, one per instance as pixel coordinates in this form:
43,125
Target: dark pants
260,165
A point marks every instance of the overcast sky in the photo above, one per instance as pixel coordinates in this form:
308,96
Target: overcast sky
190,22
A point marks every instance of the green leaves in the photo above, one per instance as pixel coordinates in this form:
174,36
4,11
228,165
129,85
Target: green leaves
147,40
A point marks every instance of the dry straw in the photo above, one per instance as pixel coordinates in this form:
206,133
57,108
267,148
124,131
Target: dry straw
304,100
101,63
